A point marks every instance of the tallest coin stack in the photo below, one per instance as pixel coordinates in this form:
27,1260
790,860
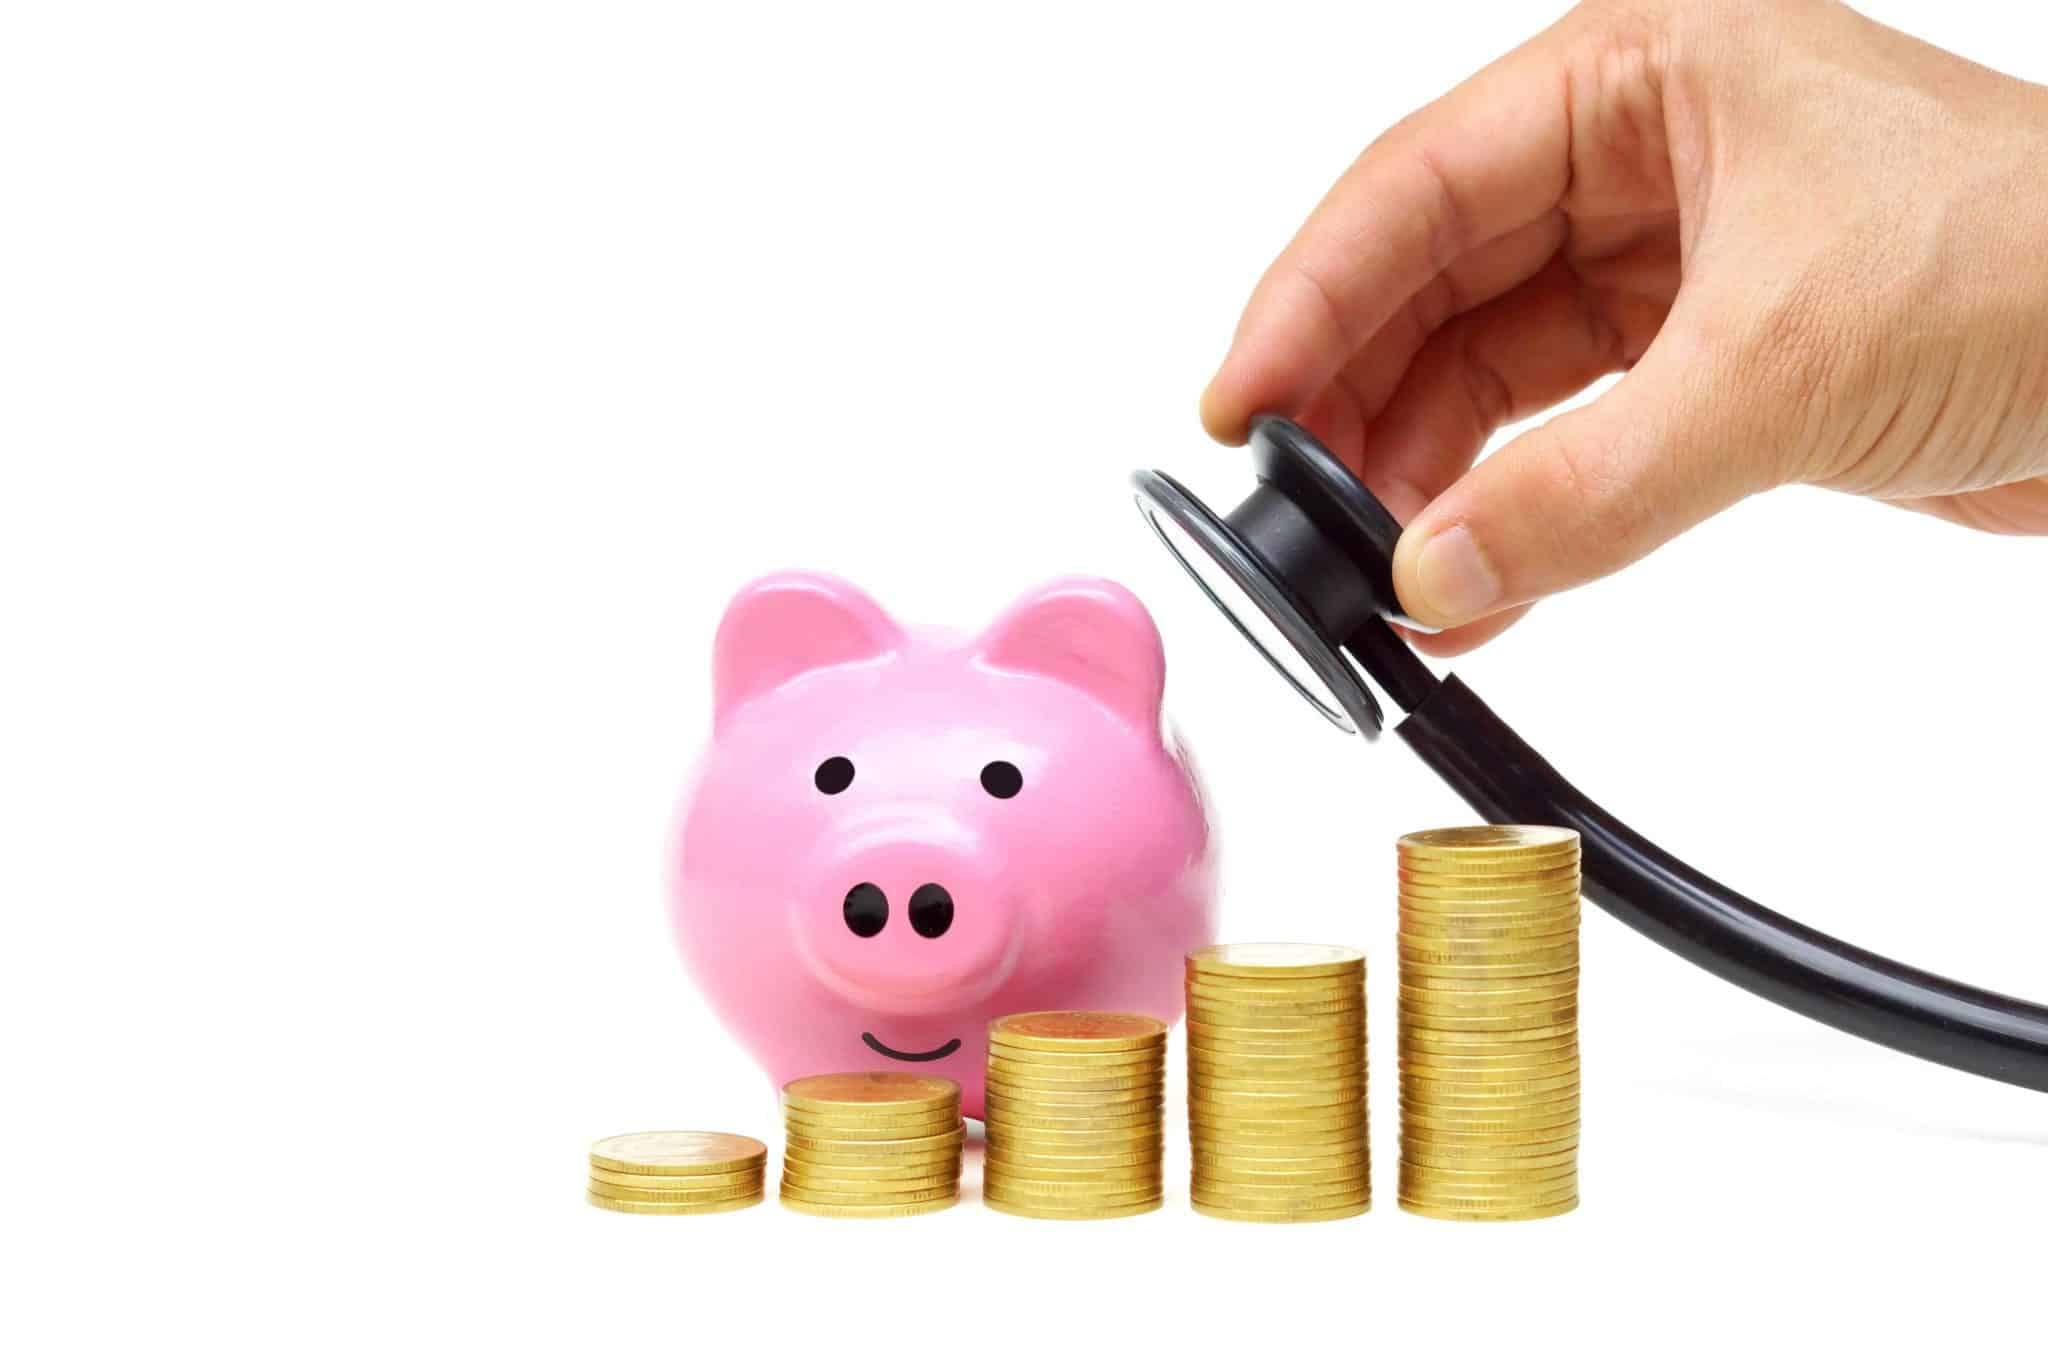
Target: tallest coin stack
1489,1012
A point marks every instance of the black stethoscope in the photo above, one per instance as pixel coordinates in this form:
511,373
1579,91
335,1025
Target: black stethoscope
1307,572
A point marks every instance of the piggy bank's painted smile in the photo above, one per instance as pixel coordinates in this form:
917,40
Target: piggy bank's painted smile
899,834
937,1054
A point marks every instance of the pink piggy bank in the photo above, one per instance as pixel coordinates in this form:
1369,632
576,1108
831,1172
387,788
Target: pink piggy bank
898,834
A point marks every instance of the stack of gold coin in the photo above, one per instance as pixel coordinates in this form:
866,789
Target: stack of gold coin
1276,1082
871,1144
1076,1114
1489,941
676,1172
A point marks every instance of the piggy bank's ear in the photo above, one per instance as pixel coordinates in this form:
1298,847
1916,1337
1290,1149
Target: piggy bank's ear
1089,633
790,624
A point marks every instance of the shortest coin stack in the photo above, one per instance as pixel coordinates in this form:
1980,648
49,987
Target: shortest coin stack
676,1172
871,1144
1076,1114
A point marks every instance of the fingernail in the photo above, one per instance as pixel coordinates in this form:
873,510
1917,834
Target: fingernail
1456,582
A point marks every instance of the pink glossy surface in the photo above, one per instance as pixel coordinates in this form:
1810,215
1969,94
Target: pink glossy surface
1082,891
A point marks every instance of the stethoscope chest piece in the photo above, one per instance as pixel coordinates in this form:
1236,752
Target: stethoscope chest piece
1309,555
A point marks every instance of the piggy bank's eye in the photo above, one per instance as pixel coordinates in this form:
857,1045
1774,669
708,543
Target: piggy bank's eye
834,775
1002,780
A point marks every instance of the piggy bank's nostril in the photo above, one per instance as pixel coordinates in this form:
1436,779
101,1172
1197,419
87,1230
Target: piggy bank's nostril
931,910
867,910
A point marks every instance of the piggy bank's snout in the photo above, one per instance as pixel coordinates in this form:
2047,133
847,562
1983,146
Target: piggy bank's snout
866,911
908,929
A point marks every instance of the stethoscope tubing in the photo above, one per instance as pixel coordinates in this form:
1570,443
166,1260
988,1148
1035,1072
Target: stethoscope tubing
1822,977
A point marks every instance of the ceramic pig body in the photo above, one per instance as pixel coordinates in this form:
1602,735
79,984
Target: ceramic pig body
898,834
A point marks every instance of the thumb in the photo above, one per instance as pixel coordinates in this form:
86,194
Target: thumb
1591,491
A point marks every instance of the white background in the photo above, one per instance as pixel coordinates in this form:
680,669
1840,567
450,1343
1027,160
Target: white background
392,394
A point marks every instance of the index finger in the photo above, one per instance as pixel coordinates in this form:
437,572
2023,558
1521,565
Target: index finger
1491,156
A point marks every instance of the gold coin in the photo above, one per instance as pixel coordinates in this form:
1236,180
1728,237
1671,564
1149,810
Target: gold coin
870,1149
1541,1162
1416,985
889,1210
1510,1018
1057,1163
816,1196
1490,1115
1491,1216
731,1181
1435,963
1277,1059
1243,1171
1315,1097
1450,975
1040,1194
1421,1001
793,1163
1484,897
1485,1184
1069,1201
1479,1087
1508,1054
1022,1210
1002,1164
1351,1210
1083,1161
1205,1061
1232,1147
1078,1031
871,1092
1263,990
1544,1191
1486,932
883,1125
799,1127
1033,1187
1138,1091
1075,1084
1492,1037
1490,1071
1269,1105
1275,960
1488,841
1135,1061
1296,1135
1028,1135
1274,1016
1467,1095
1232,1037
1274,1080
1491,903
1277,1194
931,1156
1426,947
1498,912
677,1153
1509,917
670,1206
886,1191
639,1194
1421,873
1070,1106
1422,1144
1283,1203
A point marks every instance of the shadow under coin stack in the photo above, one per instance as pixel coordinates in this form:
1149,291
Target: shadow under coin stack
676,1172
1076,1115
1276,1082
871,1144
1489,940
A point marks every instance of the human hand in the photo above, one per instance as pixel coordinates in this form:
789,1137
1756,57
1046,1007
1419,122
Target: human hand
1818,247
